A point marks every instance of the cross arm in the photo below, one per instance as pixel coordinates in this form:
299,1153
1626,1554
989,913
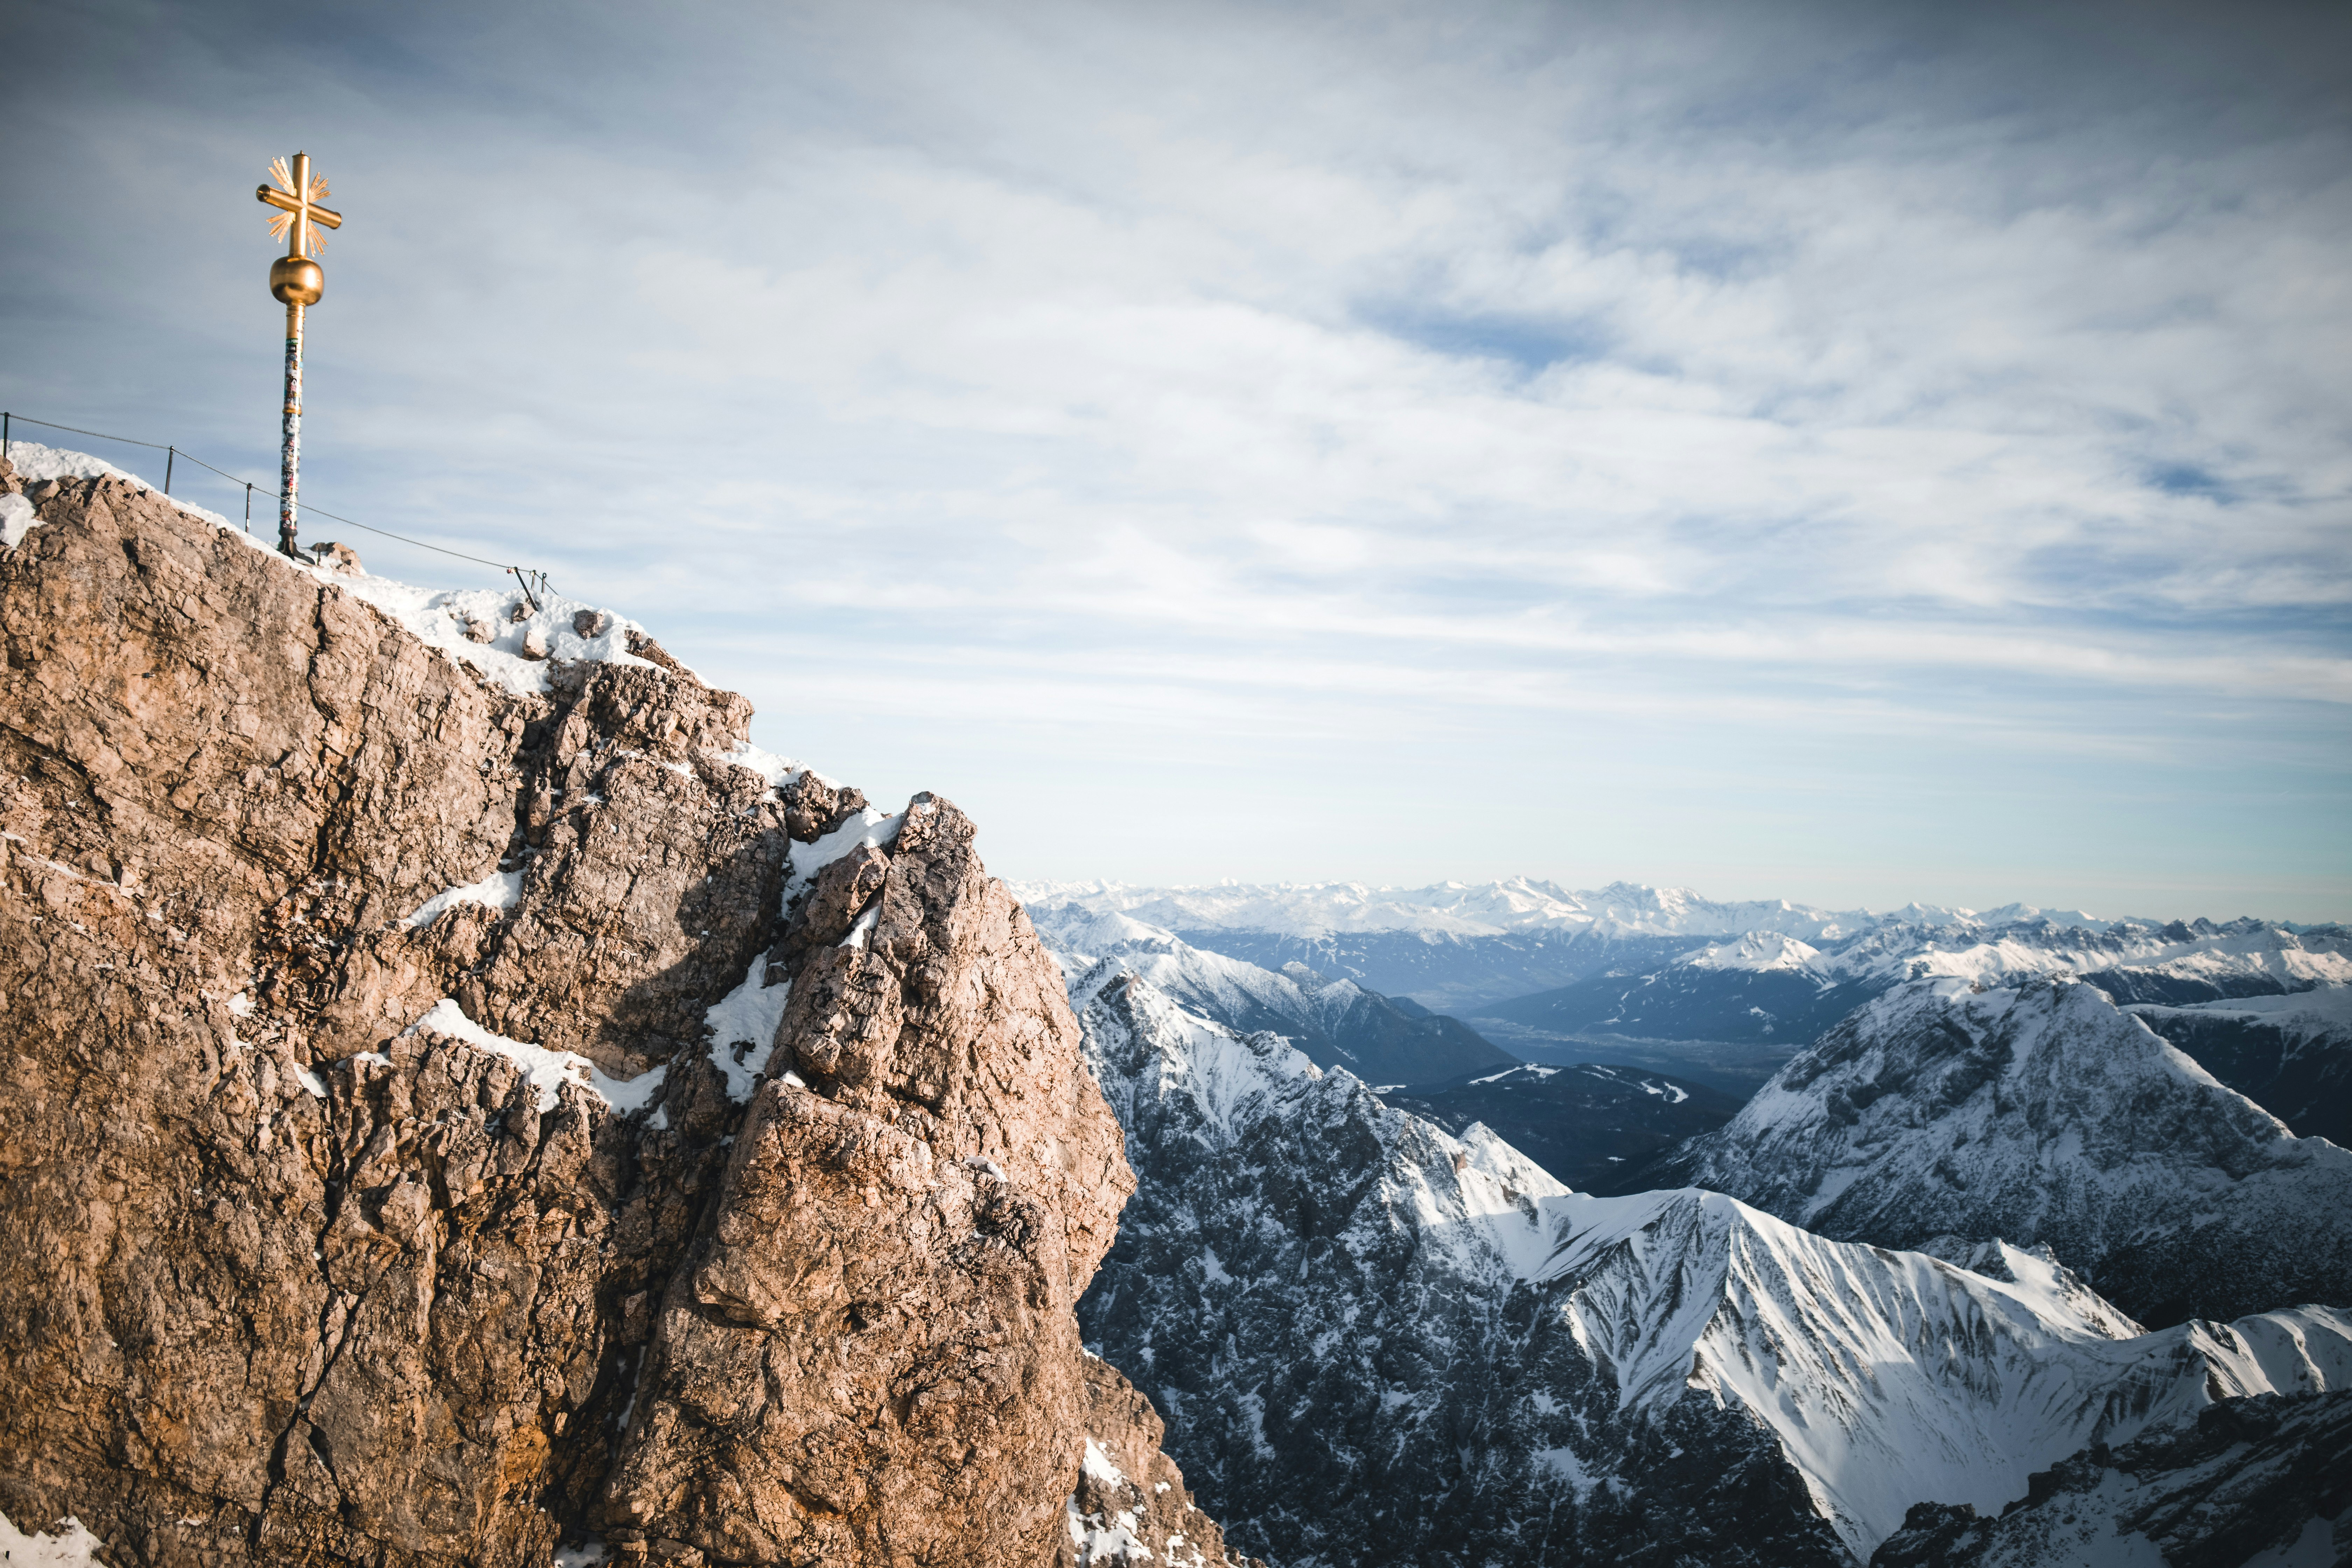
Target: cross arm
275,197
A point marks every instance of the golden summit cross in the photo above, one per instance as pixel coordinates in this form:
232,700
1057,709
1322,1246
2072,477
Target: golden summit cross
295,279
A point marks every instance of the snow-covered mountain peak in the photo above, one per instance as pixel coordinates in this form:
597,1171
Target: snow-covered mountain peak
1968,1376
1142,1043
1475,1196
1334,1299
1337,1022
2042,1113
2036,1269
1758,951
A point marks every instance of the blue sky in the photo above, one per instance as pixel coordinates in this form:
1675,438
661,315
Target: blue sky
1849,453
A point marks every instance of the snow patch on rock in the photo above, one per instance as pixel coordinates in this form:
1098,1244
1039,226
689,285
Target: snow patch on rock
498,891
72,1546
747,1015
547,1070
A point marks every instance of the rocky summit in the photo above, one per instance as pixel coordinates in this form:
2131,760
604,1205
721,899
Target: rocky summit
463,1100
466,1104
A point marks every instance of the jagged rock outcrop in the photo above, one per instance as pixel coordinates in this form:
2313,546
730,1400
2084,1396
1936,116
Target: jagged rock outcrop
873,1356
1131,1505
2041,1114
369,1190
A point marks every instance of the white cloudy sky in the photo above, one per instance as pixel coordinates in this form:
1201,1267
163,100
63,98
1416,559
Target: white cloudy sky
1850,453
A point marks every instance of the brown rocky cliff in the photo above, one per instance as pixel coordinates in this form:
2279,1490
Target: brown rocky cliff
283,1278
1131,1505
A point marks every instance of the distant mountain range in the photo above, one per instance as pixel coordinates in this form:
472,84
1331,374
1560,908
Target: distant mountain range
1464,948
1577,1106
1379,1343
1520,904
1337,1023
1723,993
1400,1310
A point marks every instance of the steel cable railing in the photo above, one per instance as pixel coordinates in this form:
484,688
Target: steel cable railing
525,576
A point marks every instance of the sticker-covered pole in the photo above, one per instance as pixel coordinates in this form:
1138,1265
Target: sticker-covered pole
290,429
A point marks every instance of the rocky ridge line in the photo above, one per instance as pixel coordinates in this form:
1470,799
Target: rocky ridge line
293,1279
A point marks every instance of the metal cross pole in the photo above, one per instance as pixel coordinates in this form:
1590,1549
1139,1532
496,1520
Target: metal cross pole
295,279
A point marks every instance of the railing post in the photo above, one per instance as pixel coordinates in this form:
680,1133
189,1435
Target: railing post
170,455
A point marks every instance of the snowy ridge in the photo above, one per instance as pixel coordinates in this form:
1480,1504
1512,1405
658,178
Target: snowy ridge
2252,953
2260,1483
1893,1378
2321,1017
1474,1193
438,618
1337,1023
2291,1054
1757,950
1331,1297
1459,908
2041,1113
1212,982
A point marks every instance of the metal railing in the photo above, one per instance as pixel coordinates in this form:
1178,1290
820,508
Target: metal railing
526,576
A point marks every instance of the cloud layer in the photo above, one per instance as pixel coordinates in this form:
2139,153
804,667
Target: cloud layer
1795,450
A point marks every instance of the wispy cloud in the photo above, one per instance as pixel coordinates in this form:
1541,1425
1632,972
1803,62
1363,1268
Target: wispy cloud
1756,396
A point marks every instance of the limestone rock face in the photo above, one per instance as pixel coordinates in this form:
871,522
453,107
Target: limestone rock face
1131,1505
288,1275
874,1350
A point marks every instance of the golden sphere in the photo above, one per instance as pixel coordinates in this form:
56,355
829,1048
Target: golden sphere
296,279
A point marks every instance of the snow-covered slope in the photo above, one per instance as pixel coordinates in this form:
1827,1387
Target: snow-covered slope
2259,1482
1893,1377
1370,1337
2041,1113
1337,1023
2291,1054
